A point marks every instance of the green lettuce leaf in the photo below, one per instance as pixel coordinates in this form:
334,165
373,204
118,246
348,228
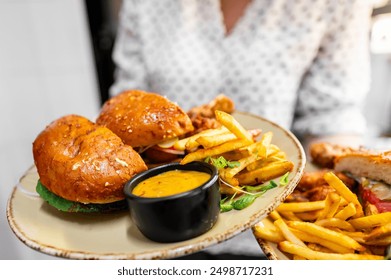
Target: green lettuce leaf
221,162
65,205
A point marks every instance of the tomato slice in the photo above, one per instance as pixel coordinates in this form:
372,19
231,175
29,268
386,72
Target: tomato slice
369,196
171,150
383,206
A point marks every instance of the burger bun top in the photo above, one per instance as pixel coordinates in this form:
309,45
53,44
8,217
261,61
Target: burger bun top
143,119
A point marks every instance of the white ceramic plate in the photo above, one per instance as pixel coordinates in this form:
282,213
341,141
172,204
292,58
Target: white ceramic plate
114,236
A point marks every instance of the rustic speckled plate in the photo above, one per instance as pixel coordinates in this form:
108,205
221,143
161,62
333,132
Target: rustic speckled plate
114,236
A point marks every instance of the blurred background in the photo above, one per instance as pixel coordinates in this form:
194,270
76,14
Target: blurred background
55,59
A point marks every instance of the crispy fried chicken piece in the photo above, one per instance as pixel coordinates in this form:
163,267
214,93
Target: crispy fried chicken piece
317,192
202,123
203,117
316,178
221,103
313,186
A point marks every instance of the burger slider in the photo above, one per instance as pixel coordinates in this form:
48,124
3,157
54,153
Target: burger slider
82,166
148,122
374,172
371,169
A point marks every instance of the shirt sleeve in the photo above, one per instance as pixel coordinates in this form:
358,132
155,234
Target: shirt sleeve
333,90
127,53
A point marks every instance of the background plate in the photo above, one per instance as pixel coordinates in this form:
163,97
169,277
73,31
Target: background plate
114,236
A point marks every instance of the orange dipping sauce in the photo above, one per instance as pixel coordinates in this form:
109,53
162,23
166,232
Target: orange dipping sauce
171,183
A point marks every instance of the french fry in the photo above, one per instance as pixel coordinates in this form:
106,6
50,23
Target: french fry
335,203
231,172
301,206
385,241
265,143
272,149
344,191
235,155
331,206
280,155
233,182
307,253
327,234
380,232
371,221
359,236
289,215
209,141
269,222
265,161
298,258
335,223
181,144
266,173
319,248
204,153
229,190
307,237
259,163
272,235
233,125
275,215
261,147
286,232
347,212
308,216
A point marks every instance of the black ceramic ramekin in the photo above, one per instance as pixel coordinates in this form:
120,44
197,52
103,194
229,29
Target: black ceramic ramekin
178,217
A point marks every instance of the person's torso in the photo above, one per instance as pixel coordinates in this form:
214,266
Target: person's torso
259,65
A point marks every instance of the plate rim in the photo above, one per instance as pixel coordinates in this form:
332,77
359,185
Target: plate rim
175,251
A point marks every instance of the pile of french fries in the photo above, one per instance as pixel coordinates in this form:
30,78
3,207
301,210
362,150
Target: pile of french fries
334,228
257,161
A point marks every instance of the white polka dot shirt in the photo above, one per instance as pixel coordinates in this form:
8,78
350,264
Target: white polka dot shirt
303,64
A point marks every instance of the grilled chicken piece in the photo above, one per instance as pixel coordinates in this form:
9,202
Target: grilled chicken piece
369,165
372,169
